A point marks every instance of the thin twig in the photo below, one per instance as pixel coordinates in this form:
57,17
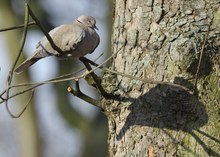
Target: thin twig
10,75
62,78
2,97
37,84
77,92
17,27
95,78
22,111
22,92
138,78
200,60
48,81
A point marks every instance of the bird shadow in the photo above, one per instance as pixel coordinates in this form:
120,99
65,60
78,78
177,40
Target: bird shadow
168,107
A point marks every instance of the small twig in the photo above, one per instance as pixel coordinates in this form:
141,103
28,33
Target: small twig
99,56
77,92
22,111
137,78
56,80
95,78
200,60
2,97
10,75
35,85
16,27
21,92
62,78
26,20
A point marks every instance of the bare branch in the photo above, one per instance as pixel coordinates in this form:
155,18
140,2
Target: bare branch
63,78
95,78
2,97
21,92
22,111
10,75
77,92
137,78
58,79
16,27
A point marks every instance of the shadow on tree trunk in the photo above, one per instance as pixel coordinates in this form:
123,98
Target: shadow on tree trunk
172,108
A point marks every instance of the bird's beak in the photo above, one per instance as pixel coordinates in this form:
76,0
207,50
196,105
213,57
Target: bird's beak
96,27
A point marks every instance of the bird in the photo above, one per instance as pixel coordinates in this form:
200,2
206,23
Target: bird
75,39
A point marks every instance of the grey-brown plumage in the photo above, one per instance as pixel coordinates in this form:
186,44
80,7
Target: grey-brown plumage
75,40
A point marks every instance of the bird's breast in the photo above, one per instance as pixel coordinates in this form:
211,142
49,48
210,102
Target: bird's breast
87,45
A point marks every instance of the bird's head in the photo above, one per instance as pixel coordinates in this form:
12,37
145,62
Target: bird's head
88,21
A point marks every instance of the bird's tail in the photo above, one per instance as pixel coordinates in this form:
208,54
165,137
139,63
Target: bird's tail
26,64
39,54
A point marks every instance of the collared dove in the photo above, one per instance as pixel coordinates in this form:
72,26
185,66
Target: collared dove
75,40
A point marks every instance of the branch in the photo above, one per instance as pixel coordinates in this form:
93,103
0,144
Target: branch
55,80
17,27
77,92
22,111
95,78
53,45
137,78
10,75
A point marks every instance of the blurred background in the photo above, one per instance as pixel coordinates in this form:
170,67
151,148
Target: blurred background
56,123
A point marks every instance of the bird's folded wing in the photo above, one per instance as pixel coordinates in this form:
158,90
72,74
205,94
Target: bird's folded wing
66,37
72,37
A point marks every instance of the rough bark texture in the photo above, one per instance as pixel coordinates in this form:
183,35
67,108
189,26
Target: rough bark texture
162,40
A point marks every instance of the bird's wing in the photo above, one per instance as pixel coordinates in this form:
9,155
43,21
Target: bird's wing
44,40
66,37
72,37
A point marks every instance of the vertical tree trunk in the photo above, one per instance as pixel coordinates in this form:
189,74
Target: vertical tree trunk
162,41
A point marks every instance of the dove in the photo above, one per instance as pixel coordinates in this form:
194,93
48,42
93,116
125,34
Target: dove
75,40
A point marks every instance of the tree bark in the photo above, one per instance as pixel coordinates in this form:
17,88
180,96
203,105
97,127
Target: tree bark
162,41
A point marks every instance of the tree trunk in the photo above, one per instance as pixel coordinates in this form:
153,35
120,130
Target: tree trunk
162,41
